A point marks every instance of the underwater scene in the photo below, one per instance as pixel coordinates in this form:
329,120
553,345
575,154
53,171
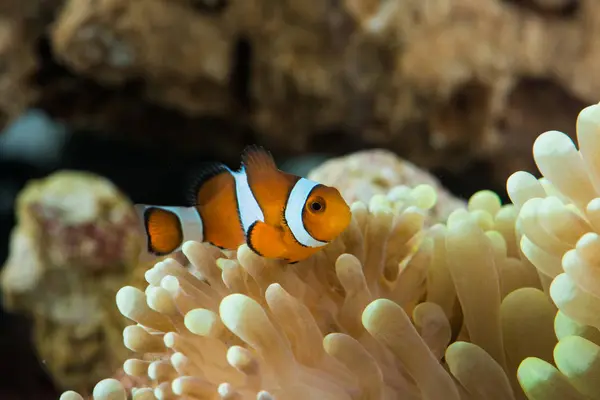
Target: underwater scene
299,199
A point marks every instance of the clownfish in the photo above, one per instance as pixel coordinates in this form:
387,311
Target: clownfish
277,214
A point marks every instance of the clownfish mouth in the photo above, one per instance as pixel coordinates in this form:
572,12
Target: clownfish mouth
339,225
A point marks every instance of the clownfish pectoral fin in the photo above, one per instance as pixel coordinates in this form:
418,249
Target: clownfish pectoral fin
207,176
266,240
167,228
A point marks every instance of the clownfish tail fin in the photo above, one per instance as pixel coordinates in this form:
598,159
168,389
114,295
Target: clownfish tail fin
204,174
167,228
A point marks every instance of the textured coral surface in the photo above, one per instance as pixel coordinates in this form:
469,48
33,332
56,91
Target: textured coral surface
76,242
444,83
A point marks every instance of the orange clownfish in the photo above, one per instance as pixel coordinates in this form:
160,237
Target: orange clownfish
278,215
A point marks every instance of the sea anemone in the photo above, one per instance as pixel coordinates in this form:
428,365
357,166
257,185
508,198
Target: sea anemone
497,303
558,228
371,317
240,325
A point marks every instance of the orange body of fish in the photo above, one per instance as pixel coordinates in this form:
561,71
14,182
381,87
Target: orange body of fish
278,215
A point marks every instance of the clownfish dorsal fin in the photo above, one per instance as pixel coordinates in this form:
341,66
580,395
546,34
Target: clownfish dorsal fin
266,179
266,240
257,160
208,172
269,185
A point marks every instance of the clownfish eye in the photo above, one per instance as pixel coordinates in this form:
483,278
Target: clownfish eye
317,205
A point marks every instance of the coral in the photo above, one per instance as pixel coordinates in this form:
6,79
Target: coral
444,84
21,24
400,75
18,63
361,175
558,225
115,41
75,244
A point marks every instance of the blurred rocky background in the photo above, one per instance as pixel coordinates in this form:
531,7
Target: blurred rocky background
140,93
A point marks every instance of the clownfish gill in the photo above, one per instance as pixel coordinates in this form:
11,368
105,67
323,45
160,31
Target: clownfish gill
278,215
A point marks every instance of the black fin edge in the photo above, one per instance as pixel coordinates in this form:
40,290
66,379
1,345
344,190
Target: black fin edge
249,239
210,170
217,246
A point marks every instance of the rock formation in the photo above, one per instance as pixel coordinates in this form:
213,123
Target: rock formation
444,84
76,242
